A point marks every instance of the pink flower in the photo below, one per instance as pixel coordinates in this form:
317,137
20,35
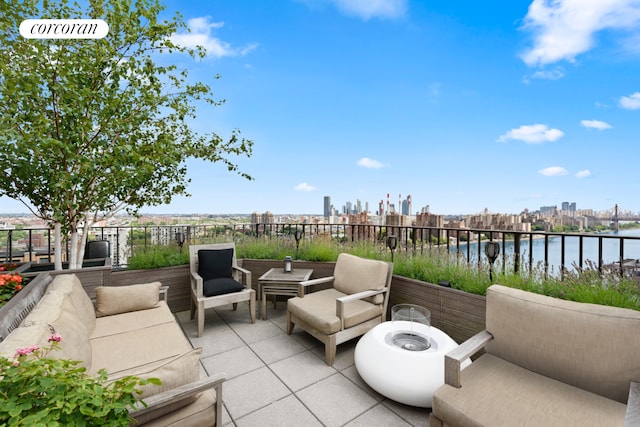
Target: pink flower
55,337
27,350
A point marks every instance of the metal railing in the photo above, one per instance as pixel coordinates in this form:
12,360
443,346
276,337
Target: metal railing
522,250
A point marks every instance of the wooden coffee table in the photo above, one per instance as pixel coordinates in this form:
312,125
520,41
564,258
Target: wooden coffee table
277,282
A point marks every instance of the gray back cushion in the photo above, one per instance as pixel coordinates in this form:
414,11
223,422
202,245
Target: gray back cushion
593,347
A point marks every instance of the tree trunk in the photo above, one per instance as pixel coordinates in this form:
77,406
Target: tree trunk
57,239
73,252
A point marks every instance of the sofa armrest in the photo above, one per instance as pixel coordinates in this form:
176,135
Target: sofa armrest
162,399
454,359
302,286
632,418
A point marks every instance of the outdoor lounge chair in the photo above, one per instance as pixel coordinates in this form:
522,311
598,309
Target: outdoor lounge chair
217,280
356,303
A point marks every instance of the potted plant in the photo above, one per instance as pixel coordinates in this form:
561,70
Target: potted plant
37,389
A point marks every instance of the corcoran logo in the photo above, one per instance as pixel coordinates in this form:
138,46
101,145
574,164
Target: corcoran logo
63,28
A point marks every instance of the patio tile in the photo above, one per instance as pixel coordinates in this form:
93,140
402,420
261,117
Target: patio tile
254,332
380,415
233,362
336,400
418,417
278,316
217,341
301,370
306,339
277,348
254,390
284,412
240,315
353,375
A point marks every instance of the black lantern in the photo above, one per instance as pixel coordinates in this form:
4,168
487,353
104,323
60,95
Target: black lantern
180,239
491,250
298,236
288,264
392,243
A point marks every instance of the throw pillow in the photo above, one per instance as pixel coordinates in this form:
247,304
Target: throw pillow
221,286
122,299
181,370
215,263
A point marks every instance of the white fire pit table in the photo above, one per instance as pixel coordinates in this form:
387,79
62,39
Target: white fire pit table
392,360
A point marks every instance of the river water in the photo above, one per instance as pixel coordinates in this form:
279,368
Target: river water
610,249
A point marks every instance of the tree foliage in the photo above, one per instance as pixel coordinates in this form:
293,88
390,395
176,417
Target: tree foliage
91,127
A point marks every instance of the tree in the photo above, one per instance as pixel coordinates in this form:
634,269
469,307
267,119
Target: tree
91,127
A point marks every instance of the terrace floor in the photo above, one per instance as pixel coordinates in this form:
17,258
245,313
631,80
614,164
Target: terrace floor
273,379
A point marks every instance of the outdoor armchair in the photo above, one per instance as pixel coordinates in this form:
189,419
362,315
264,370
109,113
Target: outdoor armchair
355,303
217,280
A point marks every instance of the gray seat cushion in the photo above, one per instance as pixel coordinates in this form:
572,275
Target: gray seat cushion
524,398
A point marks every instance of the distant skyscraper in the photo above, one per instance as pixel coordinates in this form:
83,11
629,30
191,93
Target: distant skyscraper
327,206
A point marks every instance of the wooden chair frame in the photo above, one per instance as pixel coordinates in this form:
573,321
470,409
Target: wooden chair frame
200,302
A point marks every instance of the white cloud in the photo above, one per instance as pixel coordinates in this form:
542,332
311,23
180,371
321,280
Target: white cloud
631,102
583,174
563,29
366,162
200,35
553,171
533,134
303,186
367,9
556,74
595,124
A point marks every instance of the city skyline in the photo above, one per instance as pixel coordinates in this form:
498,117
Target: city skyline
463,105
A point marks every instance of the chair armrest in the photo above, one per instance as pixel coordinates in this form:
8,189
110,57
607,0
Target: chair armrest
166,397
196,284
360,295
455,357
246,274
632,418
302,286
340,302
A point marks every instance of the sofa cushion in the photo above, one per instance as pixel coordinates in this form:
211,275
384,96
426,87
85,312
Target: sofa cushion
144,348
57,311
353,274
132,320
121,299
70,285
221,286
495,392
318,309
585,345
215,263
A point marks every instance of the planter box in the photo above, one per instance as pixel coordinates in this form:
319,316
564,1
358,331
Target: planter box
459,314
21,268
87,265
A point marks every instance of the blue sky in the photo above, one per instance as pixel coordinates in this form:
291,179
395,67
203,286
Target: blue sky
463,105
